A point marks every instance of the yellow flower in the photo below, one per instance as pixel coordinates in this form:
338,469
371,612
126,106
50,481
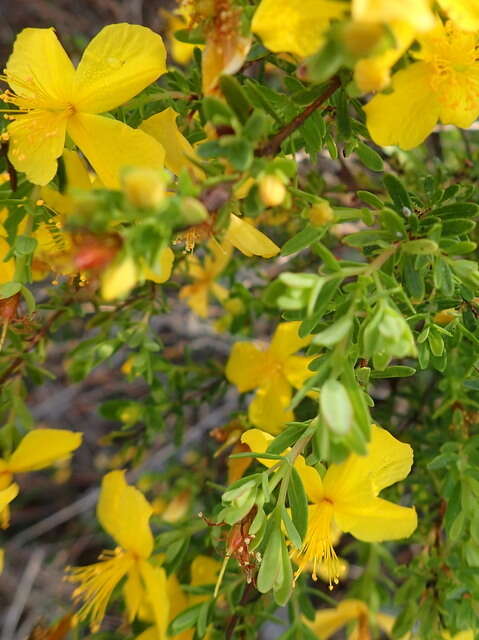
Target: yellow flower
295,26
38,449
272,371
346,499
328,621
465,13
124,513
54,98
443,85
204,277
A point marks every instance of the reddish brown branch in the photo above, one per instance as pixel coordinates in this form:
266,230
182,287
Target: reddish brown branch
274,143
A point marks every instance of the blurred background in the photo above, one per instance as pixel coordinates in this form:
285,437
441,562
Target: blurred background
75,20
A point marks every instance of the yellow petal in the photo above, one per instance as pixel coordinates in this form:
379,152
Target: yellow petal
463,109
133,592
7,269
406,116
387,461
76,172
40,70
118,279
196,297
245,366
295,26
124,512
162,270
149,634
117,64
373,73
328,621
312,481
465,13
380,520
258,441
163,128
415,12
286,340
154,579
110,146
6,496
297,371
36,141
41,447
178,603
248,239
269,407
204,571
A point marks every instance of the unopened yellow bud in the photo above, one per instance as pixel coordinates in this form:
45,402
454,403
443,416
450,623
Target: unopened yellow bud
445,316
320,213
130,414
144,188
272,191
371,74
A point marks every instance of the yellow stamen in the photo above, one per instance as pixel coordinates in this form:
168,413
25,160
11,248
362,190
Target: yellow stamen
318,546
97,582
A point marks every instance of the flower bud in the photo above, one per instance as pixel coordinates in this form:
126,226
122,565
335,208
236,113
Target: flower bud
193,211
320,213
271,190
144,188
387,335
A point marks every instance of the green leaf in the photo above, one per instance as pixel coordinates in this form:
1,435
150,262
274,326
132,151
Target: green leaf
217,111
271,562
9,289
29,299
185,620
369,157
239,153
283,585
24,245
457,226
235,97
370,199
190,36
335,406
423,246
286,438
342,115
298,502
397,371
305,238
457,210
335,332
397,191
291,530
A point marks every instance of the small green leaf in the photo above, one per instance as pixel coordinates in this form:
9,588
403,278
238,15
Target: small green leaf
298,502
423,246
185,620
336,407
397,191
235,97
271,562
9,289
369,157
398,371
305,238
335,332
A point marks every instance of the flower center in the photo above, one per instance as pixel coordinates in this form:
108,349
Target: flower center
318,544
455,72
97,582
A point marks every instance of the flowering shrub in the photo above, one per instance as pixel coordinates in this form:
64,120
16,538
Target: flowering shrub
267,230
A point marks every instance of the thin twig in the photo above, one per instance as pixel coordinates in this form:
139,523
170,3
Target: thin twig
22,593
273,145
